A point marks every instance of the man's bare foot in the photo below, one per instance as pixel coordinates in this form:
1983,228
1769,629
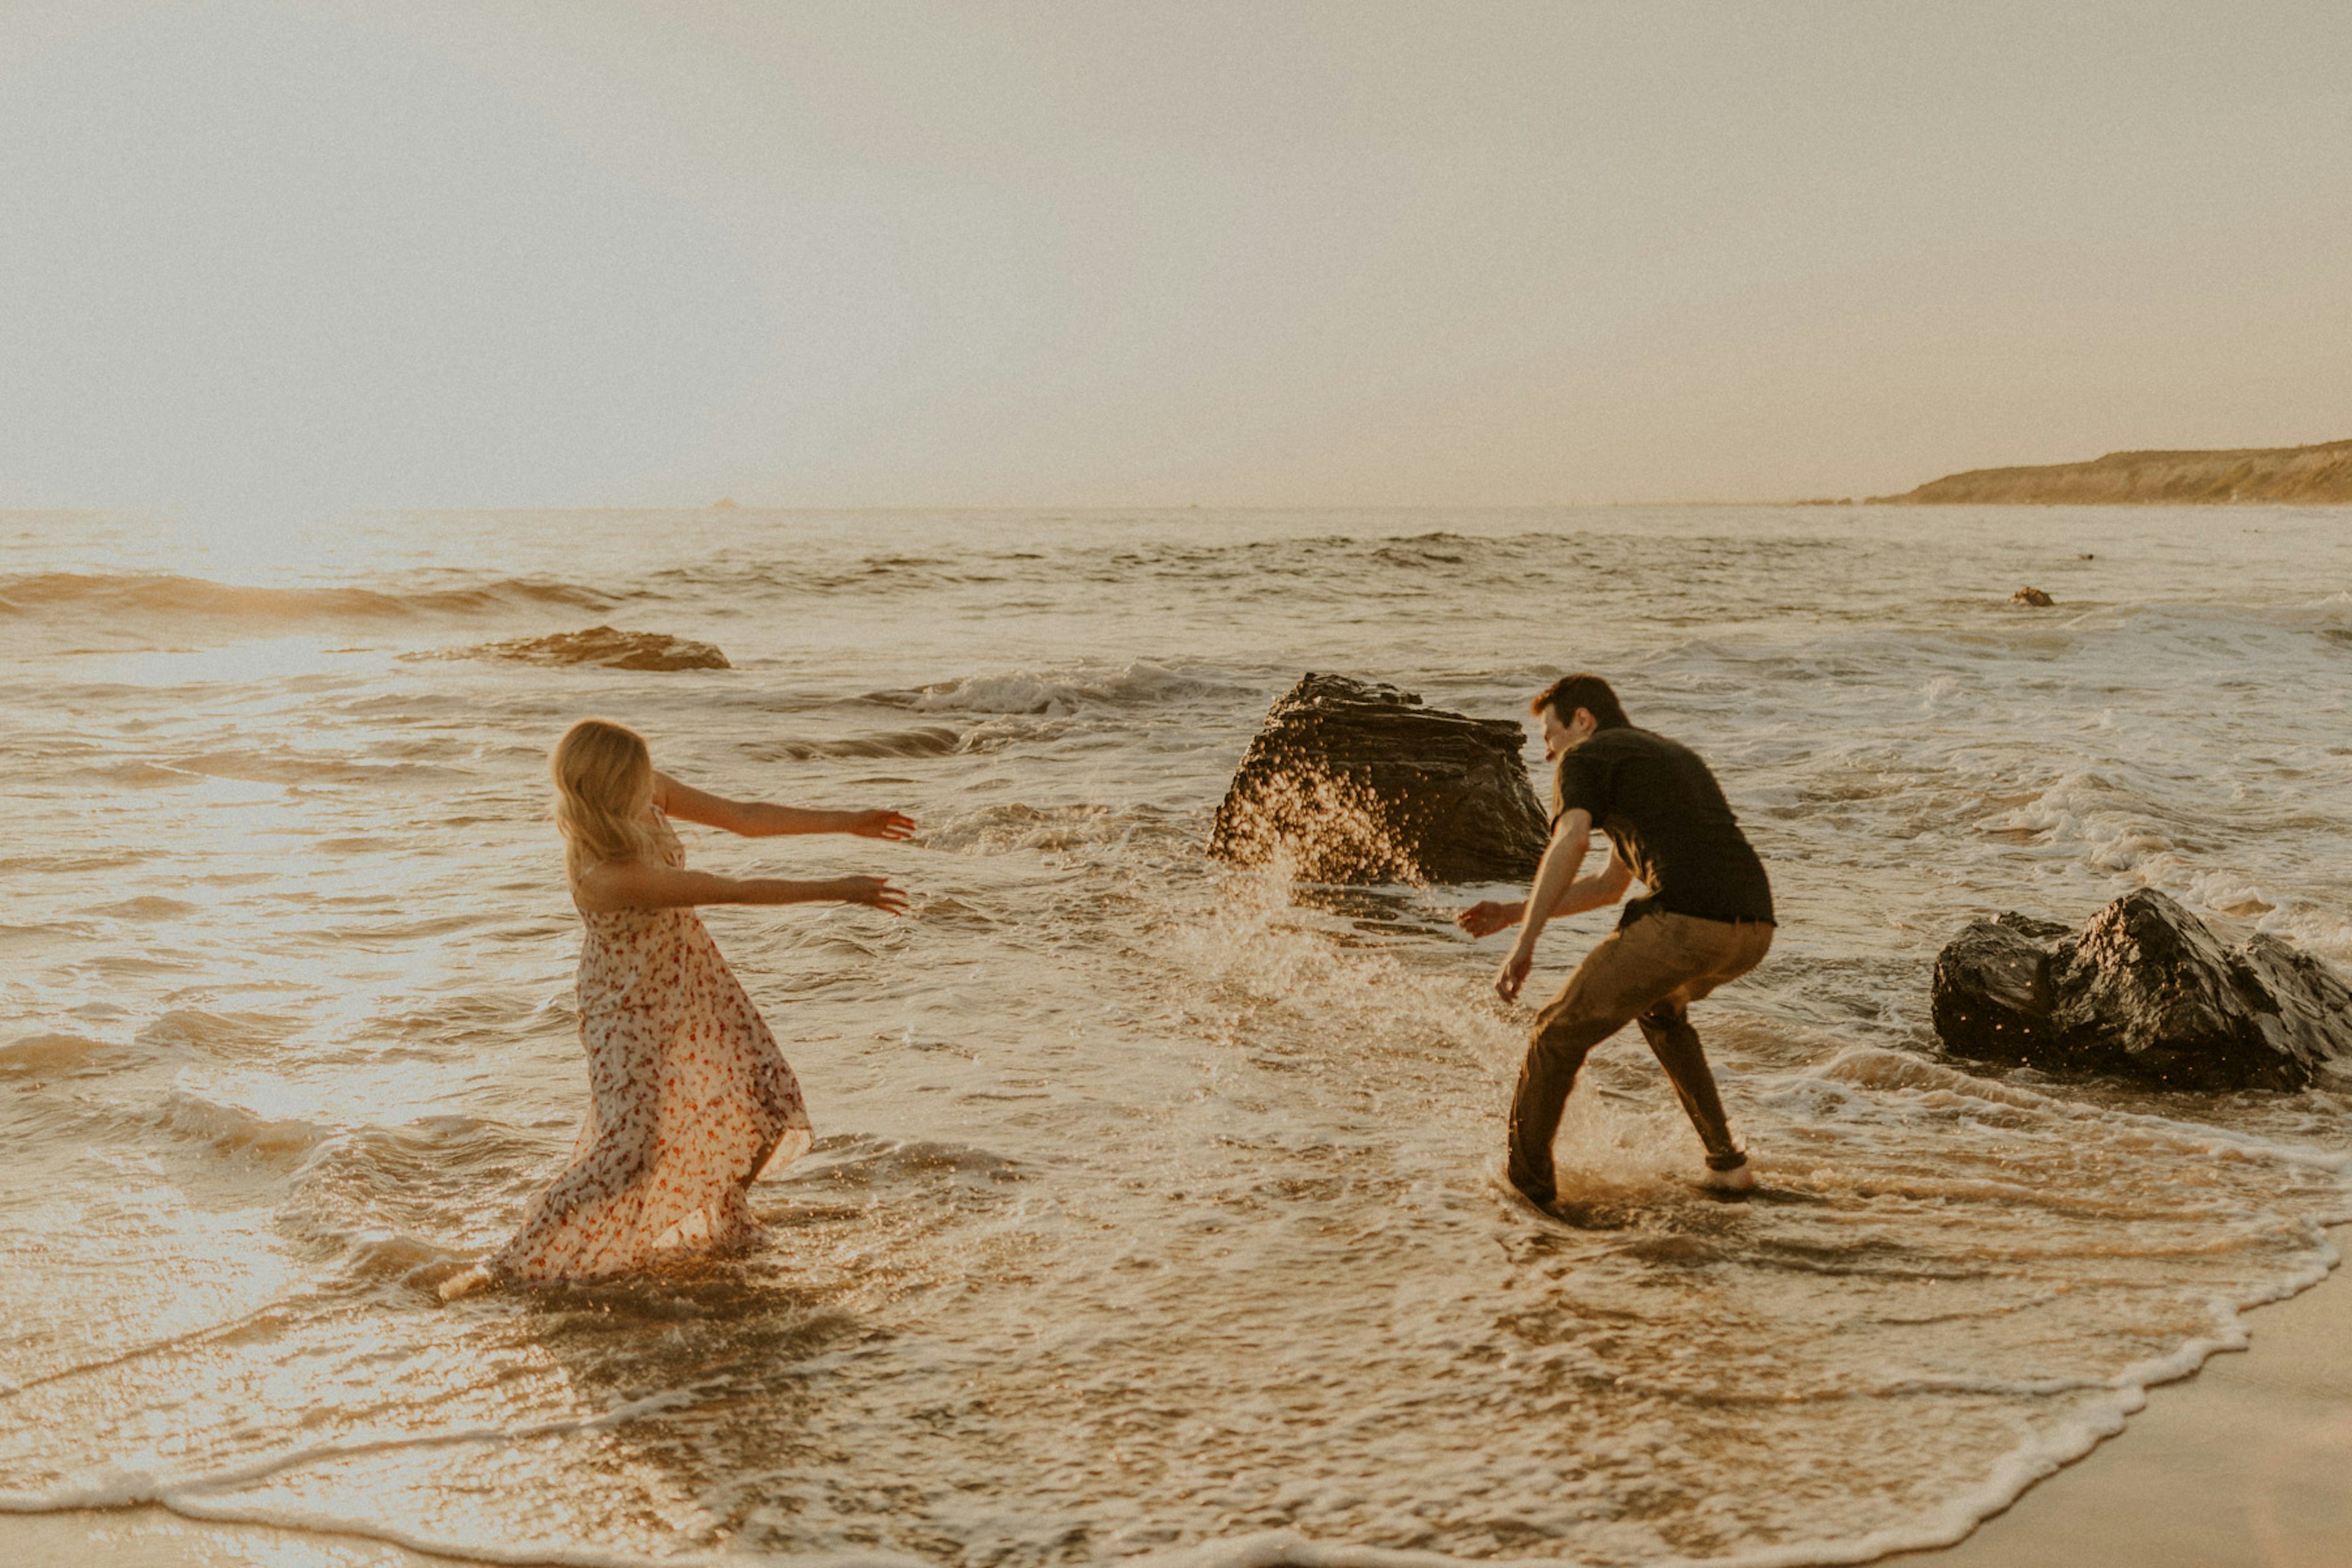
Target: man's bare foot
1740,1178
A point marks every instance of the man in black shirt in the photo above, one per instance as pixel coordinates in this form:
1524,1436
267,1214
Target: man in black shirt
1708,918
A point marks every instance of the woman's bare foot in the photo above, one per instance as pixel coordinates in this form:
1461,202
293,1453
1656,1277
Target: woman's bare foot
740,1229
470,1283
750,1238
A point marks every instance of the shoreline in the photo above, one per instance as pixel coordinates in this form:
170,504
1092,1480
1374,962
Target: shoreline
2245,1463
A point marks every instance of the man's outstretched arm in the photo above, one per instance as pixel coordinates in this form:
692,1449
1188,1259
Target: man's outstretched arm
1554,878
1604,887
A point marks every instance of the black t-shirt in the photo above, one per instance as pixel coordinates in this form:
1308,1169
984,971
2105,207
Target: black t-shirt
1667,816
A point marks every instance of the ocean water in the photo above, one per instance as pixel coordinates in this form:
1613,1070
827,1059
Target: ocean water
1154,1208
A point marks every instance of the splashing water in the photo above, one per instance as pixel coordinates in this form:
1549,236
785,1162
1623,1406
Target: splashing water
1154,1206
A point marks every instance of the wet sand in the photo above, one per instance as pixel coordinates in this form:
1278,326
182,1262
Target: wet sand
2246,1465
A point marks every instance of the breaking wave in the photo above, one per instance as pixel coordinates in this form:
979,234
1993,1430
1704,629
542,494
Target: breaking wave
1138,684
1153,1213
157,593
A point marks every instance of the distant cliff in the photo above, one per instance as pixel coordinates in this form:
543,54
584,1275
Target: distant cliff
2306,474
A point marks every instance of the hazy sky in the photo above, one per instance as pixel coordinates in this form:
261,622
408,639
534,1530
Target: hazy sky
1367,252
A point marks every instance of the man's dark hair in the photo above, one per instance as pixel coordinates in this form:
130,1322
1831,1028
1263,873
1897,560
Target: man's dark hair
1589,692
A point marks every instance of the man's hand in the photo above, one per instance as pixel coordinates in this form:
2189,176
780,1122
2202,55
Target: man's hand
1491,915
1554,875
880,824
1513,973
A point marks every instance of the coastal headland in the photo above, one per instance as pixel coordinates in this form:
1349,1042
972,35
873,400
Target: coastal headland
2312,476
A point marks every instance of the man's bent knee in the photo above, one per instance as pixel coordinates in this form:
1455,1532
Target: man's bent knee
1557,1050
1670,1012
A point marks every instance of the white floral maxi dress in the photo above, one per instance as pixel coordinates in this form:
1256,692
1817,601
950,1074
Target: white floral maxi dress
690,1102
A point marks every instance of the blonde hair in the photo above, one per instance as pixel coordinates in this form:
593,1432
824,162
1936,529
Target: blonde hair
603,776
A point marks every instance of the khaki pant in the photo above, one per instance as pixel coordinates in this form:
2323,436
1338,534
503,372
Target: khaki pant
1651,971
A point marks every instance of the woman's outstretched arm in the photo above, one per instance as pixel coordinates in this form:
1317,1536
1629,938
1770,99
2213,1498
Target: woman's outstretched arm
636,885
759,820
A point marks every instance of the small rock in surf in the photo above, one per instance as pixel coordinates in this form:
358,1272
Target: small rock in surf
2146,991
608,646
1350,781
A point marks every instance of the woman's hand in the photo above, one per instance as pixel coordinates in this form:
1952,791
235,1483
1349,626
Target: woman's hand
1486,917
765,819
874,892
632,884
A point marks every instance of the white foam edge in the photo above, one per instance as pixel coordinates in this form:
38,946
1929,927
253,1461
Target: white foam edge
2202,1136
1946,1525
306,1522
209,1499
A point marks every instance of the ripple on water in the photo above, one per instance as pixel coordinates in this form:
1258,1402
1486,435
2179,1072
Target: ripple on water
1154,1206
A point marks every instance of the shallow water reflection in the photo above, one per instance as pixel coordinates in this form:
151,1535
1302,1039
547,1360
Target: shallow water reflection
1154,1201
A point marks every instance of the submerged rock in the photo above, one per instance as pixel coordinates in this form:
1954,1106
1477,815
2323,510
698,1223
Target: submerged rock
2147,991
1353,781
606,645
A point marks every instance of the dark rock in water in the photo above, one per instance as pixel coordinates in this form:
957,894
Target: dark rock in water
1353,781
606,645
2033,596
2147,984
2147,991
2039,930
2314,1005
1991,993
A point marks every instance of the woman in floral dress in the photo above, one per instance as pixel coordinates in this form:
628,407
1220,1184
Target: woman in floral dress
690,1100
